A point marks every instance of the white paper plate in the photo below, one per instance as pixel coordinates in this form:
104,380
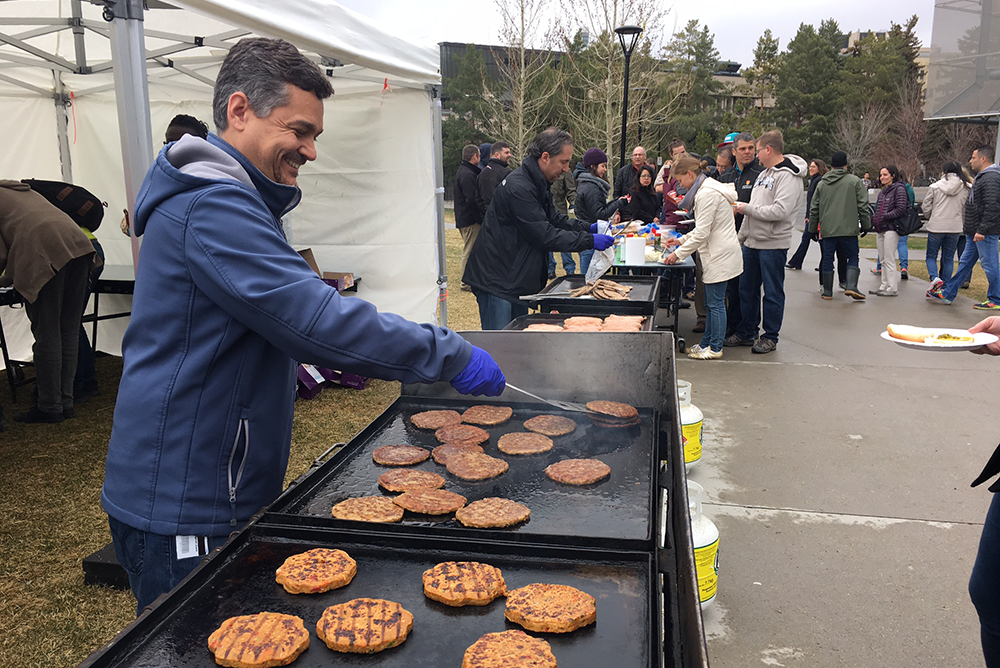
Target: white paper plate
979,340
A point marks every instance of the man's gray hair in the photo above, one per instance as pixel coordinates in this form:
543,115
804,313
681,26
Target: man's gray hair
551,141
261,69
744,136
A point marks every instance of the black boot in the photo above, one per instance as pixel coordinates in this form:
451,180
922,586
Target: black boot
853,273
827,277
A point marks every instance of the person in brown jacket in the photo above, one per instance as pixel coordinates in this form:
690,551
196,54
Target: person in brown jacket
47,258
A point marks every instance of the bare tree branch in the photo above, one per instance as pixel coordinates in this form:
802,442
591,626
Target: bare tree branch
859,130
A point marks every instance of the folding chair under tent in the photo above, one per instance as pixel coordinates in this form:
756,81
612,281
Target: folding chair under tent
372,201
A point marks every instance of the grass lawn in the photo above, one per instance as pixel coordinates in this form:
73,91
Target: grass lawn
51,481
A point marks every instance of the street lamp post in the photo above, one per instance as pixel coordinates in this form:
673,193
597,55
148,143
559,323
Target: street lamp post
629,37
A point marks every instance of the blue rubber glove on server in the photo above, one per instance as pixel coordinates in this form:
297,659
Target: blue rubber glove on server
481,376
603,241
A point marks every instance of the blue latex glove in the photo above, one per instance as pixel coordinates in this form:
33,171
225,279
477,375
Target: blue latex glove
480,376
593,228
603,241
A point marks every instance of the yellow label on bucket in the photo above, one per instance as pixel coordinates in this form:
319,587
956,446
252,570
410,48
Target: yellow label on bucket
692,441
706,561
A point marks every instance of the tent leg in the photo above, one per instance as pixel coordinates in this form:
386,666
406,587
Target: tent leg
439,207
128,49
62,125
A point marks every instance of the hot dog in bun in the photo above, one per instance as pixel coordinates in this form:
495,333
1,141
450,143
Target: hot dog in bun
925,335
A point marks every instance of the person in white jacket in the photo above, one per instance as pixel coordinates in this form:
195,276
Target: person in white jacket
944,205
766,234
714,238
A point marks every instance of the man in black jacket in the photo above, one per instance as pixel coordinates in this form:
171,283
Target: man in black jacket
982,232
492,174
743,174
521,226
627,173
468,217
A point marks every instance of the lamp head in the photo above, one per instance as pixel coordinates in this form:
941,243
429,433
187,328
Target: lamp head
629,37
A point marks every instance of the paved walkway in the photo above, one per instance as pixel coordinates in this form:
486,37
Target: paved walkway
837,470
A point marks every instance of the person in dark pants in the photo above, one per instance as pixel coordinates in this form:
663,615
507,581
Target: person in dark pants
46,257
743,175
838,212
984,584
85,381
766,234
521,226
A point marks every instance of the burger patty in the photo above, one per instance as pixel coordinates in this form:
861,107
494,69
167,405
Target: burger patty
435,419
399,455
316,571
460,583
613,409
524,443
475,466
487,414
407,480
550,425
442,452
430,501
259,641
368,509
578,471
364,625
462,434
551,608
509,649
492,513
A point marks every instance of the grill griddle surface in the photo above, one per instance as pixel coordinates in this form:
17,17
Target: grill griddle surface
619,507
244,584
643,288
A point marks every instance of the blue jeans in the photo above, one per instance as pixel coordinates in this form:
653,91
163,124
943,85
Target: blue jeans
585,256
496,312
715,319
569,264
946,243
848,246
151,562
984,585
985,252
762,269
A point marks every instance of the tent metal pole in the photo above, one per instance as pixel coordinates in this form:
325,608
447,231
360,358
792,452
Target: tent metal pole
79,43
437,154
128,52
62,124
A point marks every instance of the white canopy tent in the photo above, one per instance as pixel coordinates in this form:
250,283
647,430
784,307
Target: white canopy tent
75,107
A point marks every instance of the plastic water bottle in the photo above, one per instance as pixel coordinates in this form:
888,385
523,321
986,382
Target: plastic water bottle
692,425
705,537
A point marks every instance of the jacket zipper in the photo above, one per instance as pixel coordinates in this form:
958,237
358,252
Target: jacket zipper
242,428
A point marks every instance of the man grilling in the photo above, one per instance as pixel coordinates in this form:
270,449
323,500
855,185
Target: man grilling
223,307
521,227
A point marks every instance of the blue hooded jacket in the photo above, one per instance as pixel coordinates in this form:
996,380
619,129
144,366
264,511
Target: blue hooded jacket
223,307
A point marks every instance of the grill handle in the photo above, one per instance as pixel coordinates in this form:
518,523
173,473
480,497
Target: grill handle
326,453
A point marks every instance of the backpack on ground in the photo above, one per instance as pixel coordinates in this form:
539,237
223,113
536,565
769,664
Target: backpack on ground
85,208
909,222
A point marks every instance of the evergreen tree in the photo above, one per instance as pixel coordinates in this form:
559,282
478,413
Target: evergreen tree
694,60
807,91
760,79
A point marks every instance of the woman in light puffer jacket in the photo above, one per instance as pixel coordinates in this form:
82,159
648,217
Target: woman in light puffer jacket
944,205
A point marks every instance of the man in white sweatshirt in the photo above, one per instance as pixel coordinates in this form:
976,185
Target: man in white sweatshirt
766,234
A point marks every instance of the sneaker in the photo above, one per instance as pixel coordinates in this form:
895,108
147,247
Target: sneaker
885,293
694,349
689,296
938,297
903,274
936,284
764,346
986,306
466,288
734,341
37,415
877,272
706,354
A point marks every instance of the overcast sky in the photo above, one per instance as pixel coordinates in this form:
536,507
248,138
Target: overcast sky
737,24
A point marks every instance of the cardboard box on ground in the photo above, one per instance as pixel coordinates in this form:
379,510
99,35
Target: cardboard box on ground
312,379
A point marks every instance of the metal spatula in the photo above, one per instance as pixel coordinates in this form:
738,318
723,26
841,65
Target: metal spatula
561,405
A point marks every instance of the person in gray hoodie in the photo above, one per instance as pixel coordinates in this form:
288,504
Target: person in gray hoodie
766,235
